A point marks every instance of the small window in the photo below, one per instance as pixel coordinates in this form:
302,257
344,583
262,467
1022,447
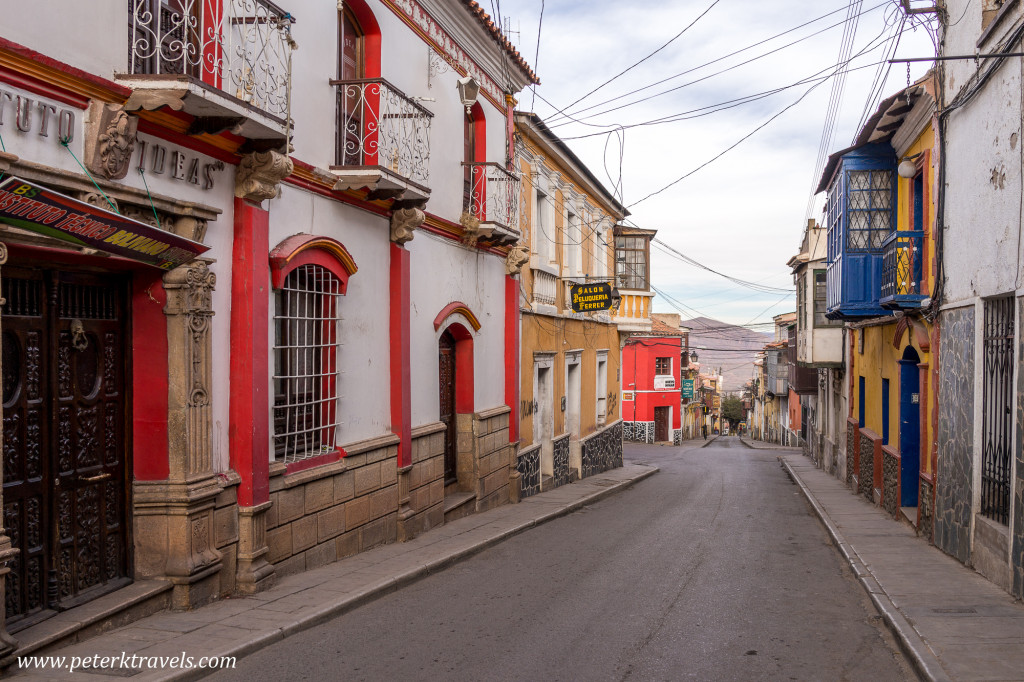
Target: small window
820,301
663,366
631,263
306,364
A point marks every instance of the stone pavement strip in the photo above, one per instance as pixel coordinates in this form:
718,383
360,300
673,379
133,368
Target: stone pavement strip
952,623
239,626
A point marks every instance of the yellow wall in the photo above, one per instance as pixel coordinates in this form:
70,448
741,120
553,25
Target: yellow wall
558,335
880,361
924,145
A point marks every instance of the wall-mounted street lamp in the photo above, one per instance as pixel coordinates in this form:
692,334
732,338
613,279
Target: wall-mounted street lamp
907,168
469,90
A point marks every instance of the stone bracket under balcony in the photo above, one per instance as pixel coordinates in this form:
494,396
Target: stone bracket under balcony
213,109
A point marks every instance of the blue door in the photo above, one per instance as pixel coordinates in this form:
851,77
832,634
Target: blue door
910,428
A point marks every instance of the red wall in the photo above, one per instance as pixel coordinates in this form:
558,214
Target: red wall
638,365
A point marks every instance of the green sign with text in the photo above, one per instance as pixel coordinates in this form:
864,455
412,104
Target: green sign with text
687,388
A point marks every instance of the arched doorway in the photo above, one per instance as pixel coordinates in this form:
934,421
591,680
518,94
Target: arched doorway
910,426
446,401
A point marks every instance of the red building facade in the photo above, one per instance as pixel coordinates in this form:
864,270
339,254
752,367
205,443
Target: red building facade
651,397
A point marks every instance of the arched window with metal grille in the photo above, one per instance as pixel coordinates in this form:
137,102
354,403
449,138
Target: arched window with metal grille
306,374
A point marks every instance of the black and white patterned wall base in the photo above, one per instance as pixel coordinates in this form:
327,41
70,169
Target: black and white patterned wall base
677,436
528,465
561,460
603,450
638,432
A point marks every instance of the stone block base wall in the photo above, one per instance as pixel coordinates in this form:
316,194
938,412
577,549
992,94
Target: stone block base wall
602,450
926,509
333,511
639,432
851,451
225,532
494,457
866,474
891,481
421,487
528,463
561,472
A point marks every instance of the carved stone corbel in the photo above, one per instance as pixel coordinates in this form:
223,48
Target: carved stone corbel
8,645
518,256
110,140
403,222
259,175
473,231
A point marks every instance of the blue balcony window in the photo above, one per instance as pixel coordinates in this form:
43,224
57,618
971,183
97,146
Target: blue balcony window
860,214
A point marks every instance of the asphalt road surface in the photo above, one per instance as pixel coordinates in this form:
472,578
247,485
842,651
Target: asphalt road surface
713,569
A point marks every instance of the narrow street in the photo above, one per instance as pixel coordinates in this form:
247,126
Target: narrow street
714,569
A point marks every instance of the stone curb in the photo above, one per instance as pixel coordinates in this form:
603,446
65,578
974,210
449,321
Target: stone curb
710,441
924,660
391,584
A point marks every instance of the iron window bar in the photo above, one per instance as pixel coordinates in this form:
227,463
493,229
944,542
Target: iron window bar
306,376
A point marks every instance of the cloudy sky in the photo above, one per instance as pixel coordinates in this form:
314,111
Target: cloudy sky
742,214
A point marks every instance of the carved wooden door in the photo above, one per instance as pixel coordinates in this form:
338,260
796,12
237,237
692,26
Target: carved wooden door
65,450
446,380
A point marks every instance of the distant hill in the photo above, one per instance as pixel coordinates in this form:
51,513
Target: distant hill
728,346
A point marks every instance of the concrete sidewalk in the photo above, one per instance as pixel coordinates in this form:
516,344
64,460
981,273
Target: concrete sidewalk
952,623
237,627
762,445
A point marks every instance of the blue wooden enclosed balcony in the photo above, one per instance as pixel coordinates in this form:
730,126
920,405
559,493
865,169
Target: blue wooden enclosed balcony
902,270
860,213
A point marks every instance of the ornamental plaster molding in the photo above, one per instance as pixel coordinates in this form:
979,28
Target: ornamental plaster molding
259,175
110,140
453,53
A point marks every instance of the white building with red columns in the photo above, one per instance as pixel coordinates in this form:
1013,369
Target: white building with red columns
261,293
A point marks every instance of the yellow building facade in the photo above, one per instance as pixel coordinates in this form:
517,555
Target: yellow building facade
894,369
570,425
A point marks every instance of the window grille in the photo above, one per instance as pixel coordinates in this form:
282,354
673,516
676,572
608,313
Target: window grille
306,364
869,205
997,409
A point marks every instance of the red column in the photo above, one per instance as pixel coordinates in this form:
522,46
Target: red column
512,359
250,353
401,395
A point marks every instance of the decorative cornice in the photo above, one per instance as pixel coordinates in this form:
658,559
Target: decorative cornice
457,308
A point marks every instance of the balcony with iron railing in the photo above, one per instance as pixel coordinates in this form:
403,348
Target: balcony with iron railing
493,199
382,140
225,62
903,270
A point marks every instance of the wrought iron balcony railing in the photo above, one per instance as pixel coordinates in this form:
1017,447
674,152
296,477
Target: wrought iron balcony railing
380,128
494,196
241,47
903,270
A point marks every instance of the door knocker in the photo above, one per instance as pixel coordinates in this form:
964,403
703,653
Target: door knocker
78,338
